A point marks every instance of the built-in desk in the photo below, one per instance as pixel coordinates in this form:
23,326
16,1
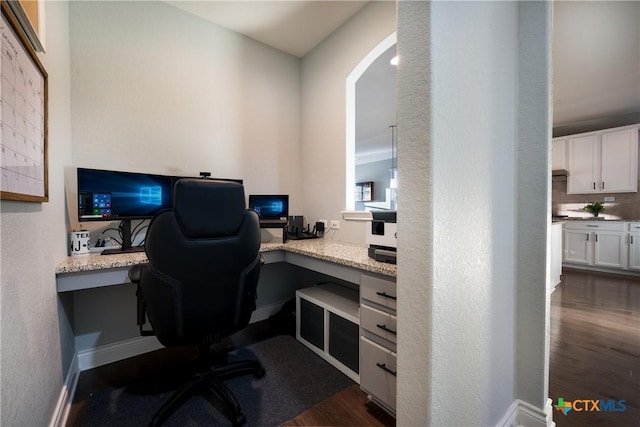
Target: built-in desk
337,259
99,299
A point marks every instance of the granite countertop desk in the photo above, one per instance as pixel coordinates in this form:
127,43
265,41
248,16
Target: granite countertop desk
340,259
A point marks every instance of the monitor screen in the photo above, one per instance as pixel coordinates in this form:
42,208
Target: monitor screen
112,195
270,207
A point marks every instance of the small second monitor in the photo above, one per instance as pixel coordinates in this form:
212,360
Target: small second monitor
273,209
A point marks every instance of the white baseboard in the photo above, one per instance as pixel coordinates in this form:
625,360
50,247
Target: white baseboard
94,357
510,418
61,411
98,356
523,414
266,311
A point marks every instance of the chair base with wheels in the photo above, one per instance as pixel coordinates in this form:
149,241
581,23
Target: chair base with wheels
210,384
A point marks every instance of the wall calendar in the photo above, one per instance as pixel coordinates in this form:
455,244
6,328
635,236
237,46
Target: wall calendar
23,116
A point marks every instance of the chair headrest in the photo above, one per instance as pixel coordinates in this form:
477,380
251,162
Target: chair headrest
209,208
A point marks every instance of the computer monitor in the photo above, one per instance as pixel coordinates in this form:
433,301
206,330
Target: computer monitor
273,209
106,195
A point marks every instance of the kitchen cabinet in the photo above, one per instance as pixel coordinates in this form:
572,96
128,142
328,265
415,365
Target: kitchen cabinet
609,249
577,247
634,246
604,161
555,256
596,243
559,154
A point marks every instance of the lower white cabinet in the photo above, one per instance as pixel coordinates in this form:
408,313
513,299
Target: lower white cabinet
555,256
609,249
378,333
634,246
598,244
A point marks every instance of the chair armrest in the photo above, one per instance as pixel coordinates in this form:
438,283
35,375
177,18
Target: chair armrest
135,272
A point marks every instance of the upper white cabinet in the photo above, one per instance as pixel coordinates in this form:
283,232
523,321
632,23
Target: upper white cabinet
603,161
559,154
619,160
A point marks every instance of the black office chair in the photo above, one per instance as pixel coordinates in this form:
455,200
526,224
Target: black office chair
199,285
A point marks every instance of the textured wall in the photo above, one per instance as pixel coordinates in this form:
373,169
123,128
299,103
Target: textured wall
34,239
533,201
415,217
469,265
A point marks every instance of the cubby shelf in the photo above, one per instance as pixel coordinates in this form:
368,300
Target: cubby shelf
327,322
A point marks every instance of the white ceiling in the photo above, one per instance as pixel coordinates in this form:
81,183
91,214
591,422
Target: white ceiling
294,27
596,60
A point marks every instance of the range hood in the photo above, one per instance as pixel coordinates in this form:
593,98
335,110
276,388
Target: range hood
559,175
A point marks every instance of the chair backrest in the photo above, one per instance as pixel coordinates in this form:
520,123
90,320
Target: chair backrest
204,263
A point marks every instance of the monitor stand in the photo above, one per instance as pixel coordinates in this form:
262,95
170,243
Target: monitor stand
125,227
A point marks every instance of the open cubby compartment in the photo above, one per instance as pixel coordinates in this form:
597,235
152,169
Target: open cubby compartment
327,322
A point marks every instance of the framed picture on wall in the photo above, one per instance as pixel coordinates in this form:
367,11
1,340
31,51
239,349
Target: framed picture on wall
364,191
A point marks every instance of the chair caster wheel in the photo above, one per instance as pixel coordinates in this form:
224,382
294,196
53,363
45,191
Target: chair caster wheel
240,420
259,373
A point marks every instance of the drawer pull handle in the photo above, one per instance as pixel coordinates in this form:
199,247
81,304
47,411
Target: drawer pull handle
384,368
385,295
384,328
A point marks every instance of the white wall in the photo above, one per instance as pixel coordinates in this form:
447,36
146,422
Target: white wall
533,218
156,89
324,73
34,241
460,138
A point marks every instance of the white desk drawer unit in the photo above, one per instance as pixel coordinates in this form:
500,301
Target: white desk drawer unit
378,340
378,372
378,291
378,322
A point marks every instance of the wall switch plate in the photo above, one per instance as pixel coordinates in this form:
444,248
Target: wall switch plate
610,199
335,225
325,222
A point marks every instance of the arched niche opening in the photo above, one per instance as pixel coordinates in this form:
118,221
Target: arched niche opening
371,106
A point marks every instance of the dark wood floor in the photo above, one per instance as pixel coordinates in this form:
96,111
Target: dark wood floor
595,347
595,355
347,408
350,407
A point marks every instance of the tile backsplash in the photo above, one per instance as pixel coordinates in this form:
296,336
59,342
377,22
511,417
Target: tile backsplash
626,205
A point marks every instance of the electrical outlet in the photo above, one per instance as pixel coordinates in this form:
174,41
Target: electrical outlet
610,199
325,222
335,225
